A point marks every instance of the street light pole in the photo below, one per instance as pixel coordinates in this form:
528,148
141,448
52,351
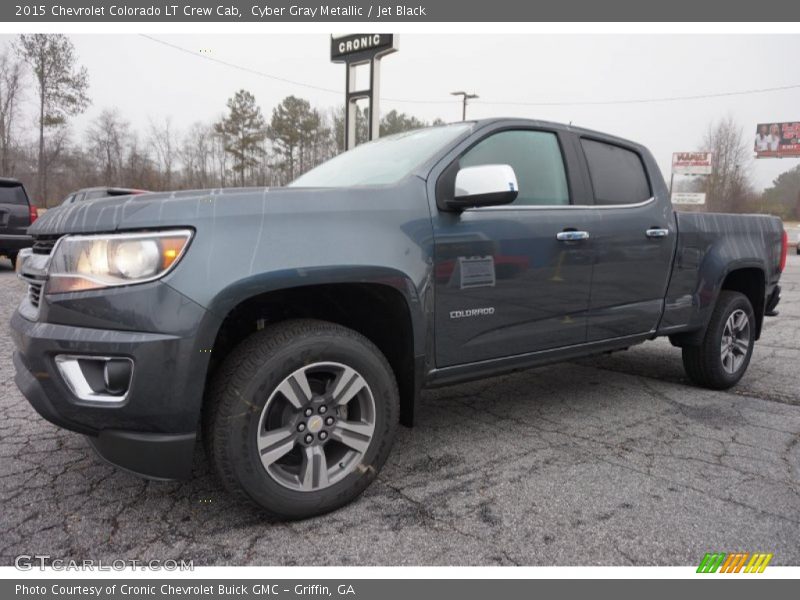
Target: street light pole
464,97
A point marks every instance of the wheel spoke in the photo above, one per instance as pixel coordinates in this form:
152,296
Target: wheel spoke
742,346
739,321
275,444
727,362
295,389
355,435
348,384
314,471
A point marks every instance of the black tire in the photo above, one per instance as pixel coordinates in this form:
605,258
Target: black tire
704,363
13,258
252,374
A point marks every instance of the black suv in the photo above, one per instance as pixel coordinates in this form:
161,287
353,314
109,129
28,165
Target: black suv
16,215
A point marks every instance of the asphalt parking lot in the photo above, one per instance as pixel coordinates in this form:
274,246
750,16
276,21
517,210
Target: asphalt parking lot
613,460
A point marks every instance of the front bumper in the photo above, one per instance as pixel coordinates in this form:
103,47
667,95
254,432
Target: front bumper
152,431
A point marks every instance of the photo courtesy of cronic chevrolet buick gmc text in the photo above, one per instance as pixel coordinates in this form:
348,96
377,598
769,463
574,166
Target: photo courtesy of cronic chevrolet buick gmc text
292,329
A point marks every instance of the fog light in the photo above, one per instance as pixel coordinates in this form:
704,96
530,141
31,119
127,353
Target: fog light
117,376
96,378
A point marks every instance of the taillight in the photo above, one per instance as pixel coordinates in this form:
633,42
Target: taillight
35,214
784,250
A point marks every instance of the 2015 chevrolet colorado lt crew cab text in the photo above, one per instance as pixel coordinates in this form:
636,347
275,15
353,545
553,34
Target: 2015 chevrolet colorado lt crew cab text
292,329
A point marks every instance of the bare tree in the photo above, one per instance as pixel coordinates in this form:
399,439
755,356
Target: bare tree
11,86
730,185
55,144
62,87
196,154
107,138
163,141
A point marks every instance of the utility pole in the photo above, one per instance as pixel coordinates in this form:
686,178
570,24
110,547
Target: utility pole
464,97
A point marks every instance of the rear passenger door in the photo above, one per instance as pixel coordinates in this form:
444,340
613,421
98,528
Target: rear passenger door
633,236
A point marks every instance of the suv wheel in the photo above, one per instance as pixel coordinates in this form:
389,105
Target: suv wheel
724,354
302,417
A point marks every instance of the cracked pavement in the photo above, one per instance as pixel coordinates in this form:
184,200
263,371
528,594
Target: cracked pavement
611,460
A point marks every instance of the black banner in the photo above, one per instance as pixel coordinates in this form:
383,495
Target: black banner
40,11
707,586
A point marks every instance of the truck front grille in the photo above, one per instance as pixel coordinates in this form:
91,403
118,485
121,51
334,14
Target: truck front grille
44,244
35,285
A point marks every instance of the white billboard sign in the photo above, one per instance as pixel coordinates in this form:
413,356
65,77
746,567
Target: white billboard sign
688,198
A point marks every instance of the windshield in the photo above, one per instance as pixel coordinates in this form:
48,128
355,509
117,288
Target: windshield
383,161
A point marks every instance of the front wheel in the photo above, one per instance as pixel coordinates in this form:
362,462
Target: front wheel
302,417
721,360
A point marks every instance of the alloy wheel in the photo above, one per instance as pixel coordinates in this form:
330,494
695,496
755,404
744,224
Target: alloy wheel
316,426
735,342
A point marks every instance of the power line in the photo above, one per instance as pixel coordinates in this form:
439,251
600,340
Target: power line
487,102
276,77
648,100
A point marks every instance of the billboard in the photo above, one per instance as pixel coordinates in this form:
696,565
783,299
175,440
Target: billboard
777,140
691,163
688,198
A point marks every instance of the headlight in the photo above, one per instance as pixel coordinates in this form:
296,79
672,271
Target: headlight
88,262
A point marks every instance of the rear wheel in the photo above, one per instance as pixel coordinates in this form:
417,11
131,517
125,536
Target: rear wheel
13,258
721,360
302,417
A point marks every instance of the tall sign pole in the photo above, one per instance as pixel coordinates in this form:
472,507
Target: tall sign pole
362,49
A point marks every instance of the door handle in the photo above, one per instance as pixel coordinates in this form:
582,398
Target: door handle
572,236
657,232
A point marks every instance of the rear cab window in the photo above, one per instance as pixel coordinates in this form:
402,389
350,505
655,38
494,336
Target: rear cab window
618,174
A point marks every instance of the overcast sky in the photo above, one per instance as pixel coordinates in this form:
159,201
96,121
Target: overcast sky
145,79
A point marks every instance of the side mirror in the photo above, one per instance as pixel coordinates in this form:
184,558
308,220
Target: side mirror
484,185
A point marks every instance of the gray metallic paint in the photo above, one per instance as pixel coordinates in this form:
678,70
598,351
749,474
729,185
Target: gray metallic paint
616,289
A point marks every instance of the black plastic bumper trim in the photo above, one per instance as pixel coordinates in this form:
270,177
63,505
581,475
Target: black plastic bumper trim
152,455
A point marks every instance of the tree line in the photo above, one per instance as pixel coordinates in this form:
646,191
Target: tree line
245,146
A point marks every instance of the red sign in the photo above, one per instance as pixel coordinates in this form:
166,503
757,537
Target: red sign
691,163
777,140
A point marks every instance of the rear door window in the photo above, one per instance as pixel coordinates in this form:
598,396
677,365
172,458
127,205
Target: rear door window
618,175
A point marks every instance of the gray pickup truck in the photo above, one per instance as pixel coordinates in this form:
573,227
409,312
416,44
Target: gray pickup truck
292,329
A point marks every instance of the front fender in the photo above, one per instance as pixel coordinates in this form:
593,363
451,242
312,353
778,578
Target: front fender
240,291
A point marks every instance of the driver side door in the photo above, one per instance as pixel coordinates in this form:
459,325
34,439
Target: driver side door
507,279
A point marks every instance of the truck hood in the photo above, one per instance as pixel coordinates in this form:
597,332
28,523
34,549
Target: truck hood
160,209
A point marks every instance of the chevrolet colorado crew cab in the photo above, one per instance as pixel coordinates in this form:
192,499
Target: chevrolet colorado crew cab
292,329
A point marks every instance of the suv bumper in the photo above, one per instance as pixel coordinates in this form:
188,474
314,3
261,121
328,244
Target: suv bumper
14,243
152,430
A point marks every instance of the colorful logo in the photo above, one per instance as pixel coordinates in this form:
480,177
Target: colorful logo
734,562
